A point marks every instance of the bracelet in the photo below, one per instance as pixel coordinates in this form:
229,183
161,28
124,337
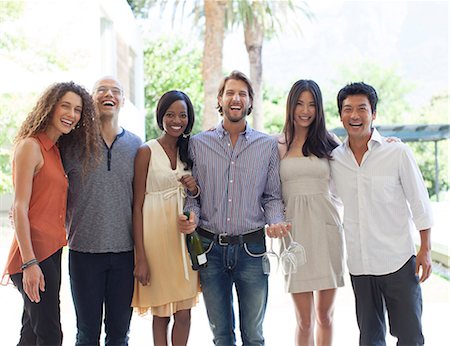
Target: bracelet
196,195
29,263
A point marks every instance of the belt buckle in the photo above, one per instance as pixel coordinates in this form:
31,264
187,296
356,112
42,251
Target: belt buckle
221,238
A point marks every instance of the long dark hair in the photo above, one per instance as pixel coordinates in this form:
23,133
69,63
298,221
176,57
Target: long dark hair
319,141
164,103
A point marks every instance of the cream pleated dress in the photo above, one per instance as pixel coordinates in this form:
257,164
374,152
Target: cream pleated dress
173,285
316,224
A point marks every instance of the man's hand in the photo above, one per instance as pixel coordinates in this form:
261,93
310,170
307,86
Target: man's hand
186,225
33,282
278,230
423,259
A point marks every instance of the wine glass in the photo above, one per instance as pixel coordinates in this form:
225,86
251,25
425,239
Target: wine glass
298,250
288,260
270,256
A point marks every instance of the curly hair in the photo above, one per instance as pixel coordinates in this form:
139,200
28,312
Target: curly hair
86,135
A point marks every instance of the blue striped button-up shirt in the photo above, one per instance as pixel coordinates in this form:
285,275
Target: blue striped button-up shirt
240,185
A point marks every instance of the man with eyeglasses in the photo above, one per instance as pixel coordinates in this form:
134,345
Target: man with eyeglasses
101,258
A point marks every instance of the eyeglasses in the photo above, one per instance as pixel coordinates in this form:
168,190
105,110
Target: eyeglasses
104,90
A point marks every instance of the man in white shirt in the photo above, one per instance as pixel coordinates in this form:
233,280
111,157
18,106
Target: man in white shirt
385,201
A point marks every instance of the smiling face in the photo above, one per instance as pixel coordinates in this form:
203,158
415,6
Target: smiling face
108,96
305,111
235,101
175,119
357,116
65,115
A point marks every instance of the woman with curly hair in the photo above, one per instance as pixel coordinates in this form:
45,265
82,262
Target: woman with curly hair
64,110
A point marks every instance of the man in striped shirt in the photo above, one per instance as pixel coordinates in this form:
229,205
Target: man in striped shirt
237,170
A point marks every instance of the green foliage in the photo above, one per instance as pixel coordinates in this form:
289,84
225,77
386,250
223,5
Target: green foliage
171,64
436,112
140,8
24,50
13,110
424,155
274,104
10,11
391,88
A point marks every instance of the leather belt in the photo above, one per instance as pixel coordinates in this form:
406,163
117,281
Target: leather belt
225,239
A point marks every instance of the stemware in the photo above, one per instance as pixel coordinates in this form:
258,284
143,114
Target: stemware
288,260
270,256
297,249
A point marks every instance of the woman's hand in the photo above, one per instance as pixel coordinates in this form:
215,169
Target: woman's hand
142,272
189,183
33,282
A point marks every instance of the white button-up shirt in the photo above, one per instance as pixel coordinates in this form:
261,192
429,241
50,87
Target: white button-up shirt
385,201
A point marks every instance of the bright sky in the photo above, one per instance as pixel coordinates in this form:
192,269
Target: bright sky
413,36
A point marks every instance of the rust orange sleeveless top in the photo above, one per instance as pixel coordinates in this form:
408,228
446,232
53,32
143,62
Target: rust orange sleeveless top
47,210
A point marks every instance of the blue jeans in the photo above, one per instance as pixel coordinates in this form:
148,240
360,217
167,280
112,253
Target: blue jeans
240,265
399,293
97,279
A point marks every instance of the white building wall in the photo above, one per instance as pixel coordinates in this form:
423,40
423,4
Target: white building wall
71,32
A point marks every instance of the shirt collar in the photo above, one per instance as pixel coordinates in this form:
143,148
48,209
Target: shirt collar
222,132
46,142
374,138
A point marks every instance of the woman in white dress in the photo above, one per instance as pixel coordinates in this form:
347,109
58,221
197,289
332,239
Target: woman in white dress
165,282
305,149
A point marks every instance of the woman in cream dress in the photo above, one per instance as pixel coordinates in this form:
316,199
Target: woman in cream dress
305,148
165,282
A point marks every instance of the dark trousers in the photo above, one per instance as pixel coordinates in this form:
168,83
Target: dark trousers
41,322
399,293
98,279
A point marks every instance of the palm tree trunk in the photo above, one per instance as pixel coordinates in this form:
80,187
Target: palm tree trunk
212,58
254,37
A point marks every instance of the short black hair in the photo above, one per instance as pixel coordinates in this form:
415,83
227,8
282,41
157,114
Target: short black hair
358,88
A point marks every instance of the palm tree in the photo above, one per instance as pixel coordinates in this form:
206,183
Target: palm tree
214,12
261,19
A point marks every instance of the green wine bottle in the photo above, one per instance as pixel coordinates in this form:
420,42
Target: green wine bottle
196,250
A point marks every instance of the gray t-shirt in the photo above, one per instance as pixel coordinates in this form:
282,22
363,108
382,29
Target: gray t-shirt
99,206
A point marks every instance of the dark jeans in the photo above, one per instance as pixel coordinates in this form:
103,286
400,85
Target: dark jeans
239,265
41,322
98,279
400,294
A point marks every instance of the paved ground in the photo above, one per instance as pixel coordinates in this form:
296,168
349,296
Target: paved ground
279,323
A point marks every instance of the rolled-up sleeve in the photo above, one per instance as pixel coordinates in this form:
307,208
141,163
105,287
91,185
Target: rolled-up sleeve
415,191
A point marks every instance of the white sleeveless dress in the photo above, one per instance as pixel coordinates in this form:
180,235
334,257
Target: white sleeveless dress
173,285
316,224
